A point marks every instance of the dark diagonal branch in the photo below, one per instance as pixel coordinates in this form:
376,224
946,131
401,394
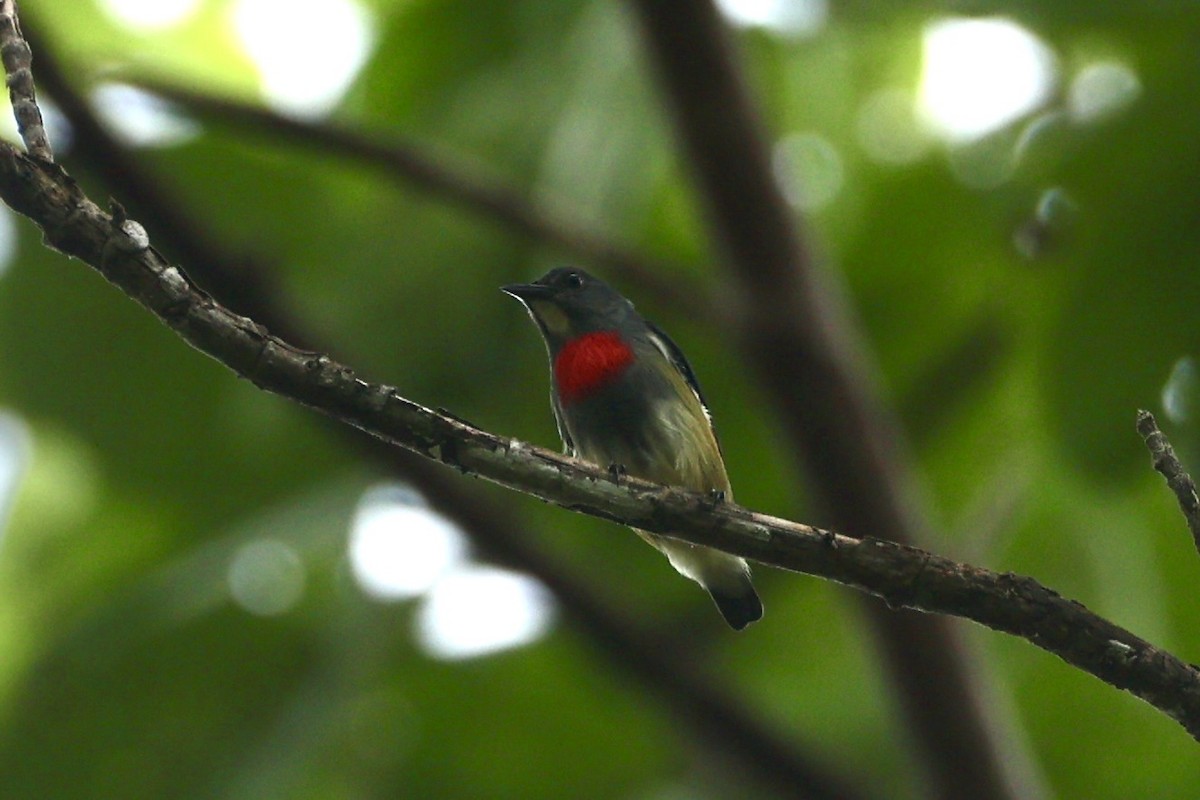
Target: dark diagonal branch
724,722
452,181
901,575
18,63
1168,464
237,279
797,334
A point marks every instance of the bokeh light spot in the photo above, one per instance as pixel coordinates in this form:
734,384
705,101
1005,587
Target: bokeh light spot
150,15
477,610
1101,90
1181,391
266,577
978,75
301,74
15,448
1053,217
140,118
887,128
809,169
788,17
400,548
1055,207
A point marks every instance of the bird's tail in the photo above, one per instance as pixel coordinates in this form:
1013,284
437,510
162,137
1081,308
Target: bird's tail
737,602
725,577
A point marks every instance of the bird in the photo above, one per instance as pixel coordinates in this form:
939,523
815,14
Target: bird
624,397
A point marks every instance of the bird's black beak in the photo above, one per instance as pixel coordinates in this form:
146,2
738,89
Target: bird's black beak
526,292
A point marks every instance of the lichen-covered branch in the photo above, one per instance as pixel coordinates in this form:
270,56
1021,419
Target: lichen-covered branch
18,62
1168,464
904,576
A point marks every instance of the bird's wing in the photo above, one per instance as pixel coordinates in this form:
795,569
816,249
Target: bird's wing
671,350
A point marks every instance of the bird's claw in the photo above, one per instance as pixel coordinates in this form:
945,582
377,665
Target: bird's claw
616,472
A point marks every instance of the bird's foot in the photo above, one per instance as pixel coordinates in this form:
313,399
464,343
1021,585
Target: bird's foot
616,472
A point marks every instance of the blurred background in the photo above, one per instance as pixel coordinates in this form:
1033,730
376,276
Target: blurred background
207,591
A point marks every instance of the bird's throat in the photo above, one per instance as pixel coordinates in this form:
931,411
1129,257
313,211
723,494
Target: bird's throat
589,363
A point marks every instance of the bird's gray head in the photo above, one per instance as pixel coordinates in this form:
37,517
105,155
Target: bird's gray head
567,302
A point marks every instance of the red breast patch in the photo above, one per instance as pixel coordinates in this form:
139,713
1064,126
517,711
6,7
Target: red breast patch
589,363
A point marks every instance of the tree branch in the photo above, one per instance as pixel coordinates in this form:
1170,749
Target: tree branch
452,181
901,575
18,62
796,332
1168,464
723,721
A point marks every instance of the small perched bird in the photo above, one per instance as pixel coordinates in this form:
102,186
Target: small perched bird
625,397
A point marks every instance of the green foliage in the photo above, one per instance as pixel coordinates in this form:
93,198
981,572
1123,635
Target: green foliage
128,671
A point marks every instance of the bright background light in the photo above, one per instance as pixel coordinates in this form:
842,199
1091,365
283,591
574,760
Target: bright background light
978,75
477,610
150,15
790,17
399,547
139,118
305,66
15,447
1180,393
1102,89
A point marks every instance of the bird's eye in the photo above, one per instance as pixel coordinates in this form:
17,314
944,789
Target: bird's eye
574,280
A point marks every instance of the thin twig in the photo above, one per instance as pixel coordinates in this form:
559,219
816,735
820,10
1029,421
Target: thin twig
1167,463
901,575
18,63
238,279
